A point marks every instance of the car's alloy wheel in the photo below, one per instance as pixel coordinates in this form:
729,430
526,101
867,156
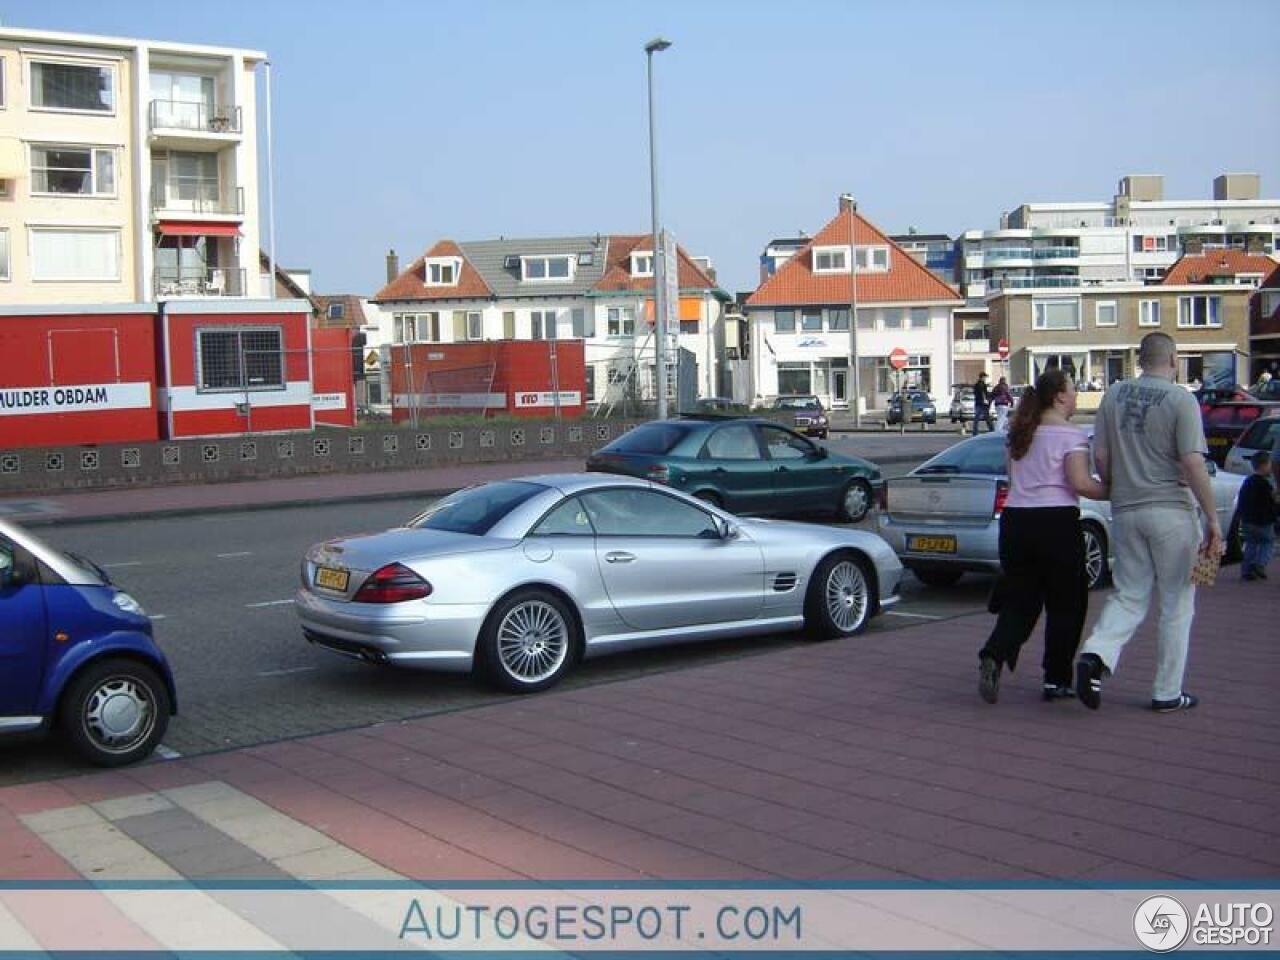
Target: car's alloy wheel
528,642
855,501
116,712
1095,556
839,603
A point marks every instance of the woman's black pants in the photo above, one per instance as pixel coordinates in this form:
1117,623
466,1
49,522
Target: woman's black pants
1042,562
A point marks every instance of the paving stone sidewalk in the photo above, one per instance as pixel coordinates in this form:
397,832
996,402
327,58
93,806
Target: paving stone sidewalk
869,759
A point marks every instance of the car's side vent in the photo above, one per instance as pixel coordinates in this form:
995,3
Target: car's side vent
783,582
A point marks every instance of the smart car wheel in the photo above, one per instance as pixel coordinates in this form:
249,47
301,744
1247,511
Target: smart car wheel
1095,556
855,501
839,599
529,642
115,712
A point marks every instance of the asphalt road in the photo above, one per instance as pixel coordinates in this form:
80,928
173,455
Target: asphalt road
220,586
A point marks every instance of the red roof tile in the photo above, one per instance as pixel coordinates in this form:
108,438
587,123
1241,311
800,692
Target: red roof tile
411,285
1230,262
906,280
617,273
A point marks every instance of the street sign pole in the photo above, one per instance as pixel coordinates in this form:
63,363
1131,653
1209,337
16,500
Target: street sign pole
671,304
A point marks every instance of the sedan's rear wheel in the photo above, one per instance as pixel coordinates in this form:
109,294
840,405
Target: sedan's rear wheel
839,602
529,642
1095,556
855,501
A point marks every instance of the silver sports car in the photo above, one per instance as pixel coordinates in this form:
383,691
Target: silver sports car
520,579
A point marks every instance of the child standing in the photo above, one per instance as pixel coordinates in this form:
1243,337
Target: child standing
1258,518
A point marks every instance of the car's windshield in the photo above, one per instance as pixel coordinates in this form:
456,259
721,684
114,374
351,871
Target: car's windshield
796,403
477,509
984,456
650,438
1262,434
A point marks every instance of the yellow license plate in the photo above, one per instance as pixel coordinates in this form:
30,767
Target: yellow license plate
1219,442
331,579
922,544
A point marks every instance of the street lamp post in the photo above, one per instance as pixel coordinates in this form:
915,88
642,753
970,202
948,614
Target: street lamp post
657,45
854,379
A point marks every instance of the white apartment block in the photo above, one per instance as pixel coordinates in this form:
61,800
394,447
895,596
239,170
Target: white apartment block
128,169
1135,237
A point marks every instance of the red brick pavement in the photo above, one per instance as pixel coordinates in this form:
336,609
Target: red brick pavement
869,759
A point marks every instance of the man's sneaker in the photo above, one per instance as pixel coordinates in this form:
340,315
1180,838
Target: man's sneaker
1089,672
1249,575
1260,572
1058,691
989,679
1183,701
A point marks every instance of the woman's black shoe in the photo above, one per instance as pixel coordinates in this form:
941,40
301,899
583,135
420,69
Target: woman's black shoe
988,679
1058,691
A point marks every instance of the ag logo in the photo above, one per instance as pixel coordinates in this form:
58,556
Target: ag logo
1161,924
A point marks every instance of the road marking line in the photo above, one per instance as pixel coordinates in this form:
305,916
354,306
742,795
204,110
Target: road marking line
240,553
269,603
158,616
124,563
282,673
917,616
167,753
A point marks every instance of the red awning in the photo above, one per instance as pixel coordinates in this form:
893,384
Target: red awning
183,228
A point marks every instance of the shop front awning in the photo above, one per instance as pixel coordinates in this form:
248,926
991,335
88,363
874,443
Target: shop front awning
184,228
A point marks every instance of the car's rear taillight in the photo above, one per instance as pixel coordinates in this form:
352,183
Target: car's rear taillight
1002,496
659,473
394,583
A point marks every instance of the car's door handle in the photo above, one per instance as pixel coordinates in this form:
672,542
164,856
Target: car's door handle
782,470
619,556
719,470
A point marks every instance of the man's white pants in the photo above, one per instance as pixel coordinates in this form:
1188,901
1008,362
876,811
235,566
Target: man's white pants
1155,549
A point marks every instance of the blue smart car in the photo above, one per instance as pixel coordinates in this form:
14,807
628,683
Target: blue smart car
77,655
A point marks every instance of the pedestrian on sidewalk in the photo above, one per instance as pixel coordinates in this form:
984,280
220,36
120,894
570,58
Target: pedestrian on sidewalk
1002,400
1150,449
981,403
1258,516
1042,559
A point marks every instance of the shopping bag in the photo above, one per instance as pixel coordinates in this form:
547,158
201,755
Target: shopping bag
1204,573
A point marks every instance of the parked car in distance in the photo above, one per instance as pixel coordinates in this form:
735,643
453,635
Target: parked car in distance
718,405
810,415
943,518
77,653
519,580
923,408
1208,396
1262,434
962,405
745,466
1225,422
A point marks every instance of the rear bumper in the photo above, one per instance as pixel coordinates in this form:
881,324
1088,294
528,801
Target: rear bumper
977,548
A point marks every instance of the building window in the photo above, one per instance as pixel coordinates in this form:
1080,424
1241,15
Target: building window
891,318
866,319
1056,315
81,87
542,324
1105,313
622,322
794,378
475,325
442,273
402,327
429,326
830,259
811,321
919,318
337,311
239,360
83,171
547,269
873,259
976,329
1200,311
784,321
578,319
1148,313
4,254
642,263
838,319
589,382
75,254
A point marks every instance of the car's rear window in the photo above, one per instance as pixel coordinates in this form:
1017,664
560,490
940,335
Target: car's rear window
650,438
1262,434
983,456
477,509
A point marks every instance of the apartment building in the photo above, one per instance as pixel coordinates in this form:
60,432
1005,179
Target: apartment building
1135,237
128,170
937,251
598,289
1093,330
799,316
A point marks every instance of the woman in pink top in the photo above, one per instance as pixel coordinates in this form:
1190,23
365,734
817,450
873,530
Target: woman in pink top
1041,541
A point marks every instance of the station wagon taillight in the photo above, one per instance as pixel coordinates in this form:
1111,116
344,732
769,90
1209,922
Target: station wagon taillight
1002,496
659,473
394,583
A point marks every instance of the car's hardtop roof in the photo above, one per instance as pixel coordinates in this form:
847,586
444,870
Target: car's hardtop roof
574,482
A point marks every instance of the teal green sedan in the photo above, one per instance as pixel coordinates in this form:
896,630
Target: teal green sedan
744,465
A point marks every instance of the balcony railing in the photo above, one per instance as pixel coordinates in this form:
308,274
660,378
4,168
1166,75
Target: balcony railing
1054,253
1007,253
197,197
209,282
1033,283
195,116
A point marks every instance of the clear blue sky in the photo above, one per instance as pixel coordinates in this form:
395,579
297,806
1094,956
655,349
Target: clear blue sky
398,123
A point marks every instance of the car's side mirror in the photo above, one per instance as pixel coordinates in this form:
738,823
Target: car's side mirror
820,453
724,529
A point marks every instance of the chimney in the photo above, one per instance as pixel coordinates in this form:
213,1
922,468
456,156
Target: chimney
393,265
847,203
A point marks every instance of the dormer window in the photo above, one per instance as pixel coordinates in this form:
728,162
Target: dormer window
547,269
443,271
873,259
642,263
830,259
